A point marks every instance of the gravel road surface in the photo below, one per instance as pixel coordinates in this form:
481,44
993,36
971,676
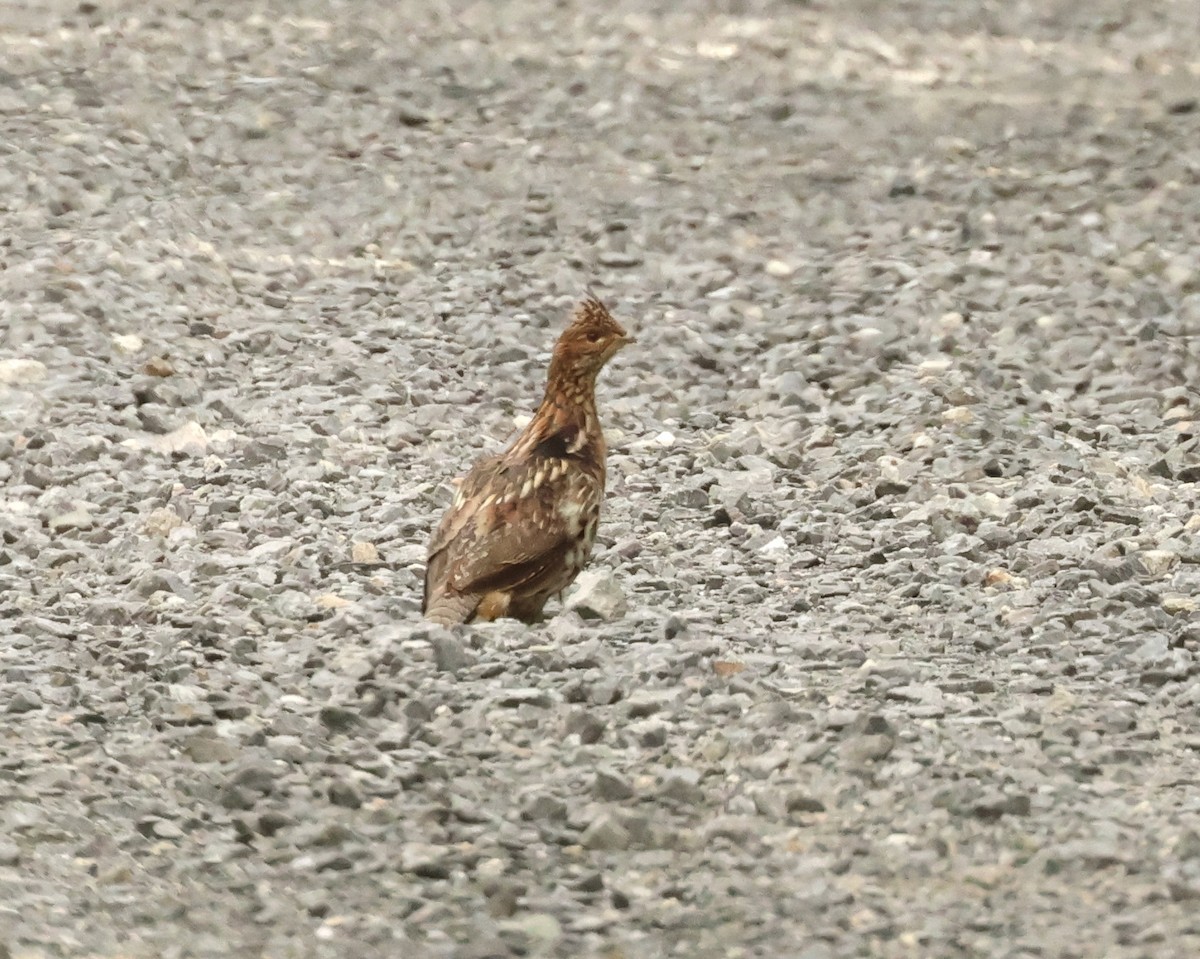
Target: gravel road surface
891,646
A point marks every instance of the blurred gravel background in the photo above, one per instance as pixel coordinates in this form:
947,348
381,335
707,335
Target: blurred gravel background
890,649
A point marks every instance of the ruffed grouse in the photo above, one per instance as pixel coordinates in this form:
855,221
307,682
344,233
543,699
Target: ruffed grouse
523,522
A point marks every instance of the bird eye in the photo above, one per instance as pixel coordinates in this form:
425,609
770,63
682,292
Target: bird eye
594,337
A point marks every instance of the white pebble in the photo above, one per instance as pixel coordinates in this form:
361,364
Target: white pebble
21,371
128,343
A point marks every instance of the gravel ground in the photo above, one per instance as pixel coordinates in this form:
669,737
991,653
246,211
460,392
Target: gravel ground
891,646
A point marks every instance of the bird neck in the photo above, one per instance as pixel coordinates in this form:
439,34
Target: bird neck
568,410
566,423
570,395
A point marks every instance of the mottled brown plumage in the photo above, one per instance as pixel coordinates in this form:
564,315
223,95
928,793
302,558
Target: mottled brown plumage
523,522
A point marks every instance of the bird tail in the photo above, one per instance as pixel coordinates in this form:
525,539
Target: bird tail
451,609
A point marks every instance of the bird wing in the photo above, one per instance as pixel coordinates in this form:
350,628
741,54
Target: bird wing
513,524
467,500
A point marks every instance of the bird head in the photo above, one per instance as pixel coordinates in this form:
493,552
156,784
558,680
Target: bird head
592,338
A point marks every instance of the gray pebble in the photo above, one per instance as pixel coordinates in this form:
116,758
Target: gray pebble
24,701
682,786
344,794
598,595
611,787
424,859
605,834
588,727
10,854
450,653
339,718
896,581
511,698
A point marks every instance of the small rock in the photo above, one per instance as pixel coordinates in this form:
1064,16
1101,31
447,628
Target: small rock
75,518
237,798
1188,846
1157,562
161,581
332,601
1183,272
539,929
619,259
674,626
425,860
528,696
682,786
161,521
503,897
646,702
338,718
1155,649
994,805
189,714
269,823
450,654
292,604
128,343
290,749
1176,603
802,802
18,372
1000,577
775,545
189,438
158,366
393,736
862,750
588,727
742,830
165,829
610,786
1088,853
257,776
410,115
344,794
597,595
208,748
605,833
916,693
606,692
24,701
649,733
366,553
544,808
871,724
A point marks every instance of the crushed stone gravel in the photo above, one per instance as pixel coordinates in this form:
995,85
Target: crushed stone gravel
890,644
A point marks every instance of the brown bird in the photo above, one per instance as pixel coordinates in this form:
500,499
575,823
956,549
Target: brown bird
523,522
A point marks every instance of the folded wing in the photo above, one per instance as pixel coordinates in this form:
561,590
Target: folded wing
512,529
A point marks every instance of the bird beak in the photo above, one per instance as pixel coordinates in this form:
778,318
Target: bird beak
626,340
